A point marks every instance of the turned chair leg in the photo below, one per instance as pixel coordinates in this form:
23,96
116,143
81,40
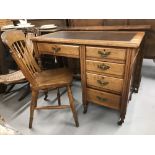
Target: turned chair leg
46,95
58,97
32,106
72,106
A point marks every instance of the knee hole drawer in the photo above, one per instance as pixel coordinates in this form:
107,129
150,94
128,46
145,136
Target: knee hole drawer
104,82
105,53
59,49
103,98
105,67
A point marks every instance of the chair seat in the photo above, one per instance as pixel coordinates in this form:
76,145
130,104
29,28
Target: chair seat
53,78
14,77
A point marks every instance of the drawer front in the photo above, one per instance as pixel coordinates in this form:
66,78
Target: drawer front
59,49
105,53
103,98
104,82
105,67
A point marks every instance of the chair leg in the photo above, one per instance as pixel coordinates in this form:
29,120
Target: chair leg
46,95
58,96
32,106
72,106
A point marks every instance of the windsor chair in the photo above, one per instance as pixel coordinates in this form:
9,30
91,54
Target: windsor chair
39,79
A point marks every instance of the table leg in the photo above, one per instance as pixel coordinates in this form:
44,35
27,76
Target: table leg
138,67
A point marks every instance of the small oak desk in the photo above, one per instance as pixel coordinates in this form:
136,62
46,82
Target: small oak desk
107,61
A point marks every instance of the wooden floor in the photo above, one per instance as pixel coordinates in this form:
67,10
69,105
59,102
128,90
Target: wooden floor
140,116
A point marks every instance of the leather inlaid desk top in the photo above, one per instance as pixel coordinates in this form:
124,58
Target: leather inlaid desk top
106,38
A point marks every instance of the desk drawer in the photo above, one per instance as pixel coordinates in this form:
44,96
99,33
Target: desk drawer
105,67
105,53
59,49
103,98
104,82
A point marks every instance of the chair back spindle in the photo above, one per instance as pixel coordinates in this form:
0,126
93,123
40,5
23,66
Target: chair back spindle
22,54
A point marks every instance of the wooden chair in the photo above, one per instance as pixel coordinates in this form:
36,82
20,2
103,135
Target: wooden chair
12,79
39,80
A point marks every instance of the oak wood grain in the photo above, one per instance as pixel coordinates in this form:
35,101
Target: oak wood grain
105,67
103,98
104,82
59,49
103,53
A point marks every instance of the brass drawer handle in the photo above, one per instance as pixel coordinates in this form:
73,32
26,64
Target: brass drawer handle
103,83
101,99
104,53
103,66
56,49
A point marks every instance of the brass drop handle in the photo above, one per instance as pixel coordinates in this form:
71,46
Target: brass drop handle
101,99
103,83
56,49
103,66
104,53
